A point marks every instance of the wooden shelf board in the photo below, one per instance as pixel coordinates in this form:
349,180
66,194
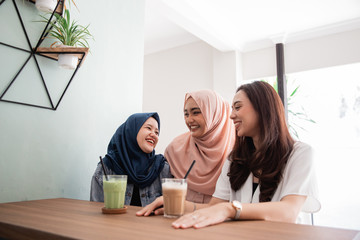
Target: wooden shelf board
54,52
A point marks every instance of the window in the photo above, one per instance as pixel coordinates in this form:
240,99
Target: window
331,97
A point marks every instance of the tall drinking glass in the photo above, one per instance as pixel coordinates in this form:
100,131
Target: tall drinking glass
114,191
174,194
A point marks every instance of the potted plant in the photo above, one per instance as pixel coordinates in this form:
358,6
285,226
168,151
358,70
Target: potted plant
67,34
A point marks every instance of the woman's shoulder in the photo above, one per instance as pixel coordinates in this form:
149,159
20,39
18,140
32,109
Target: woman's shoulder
177,142
301,147
99,172
180,138
165,172
166,165
302,152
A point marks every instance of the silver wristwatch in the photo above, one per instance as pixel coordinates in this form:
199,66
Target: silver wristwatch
238,207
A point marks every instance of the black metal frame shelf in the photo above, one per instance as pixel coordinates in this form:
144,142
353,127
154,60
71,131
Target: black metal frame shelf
50,53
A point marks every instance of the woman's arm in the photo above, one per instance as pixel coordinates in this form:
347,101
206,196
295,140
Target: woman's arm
96,188
285,211
190,206
156,206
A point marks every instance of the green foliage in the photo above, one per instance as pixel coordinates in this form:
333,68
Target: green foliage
67,32
300,115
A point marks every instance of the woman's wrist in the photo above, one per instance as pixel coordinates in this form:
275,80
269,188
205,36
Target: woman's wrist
189,206
230,211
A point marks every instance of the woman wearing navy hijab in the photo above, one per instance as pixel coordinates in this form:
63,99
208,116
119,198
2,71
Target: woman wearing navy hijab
131,152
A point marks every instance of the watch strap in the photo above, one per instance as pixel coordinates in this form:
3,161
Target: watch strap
238,207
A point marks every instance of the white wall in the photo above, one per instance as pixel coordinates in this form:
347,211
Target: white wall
333,50
45,153
169,74
227,72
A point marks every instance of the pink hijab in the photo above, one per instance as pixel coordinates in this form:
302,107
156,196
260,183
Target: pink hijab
210,151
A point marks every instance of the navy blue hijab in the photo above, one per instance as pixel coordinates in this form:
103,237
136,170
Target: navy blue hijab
125,157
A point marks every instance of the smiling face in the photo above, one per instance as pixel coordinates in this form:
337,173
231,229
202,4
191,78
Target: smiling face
148,135
194,119
245,117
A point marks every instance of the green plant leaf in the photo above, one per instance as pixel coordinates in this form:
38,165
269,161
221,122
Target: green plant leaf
67,32
293,93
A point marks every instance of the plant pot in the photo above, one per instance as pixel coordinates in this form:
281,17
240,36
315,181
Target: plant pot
67,61
46,5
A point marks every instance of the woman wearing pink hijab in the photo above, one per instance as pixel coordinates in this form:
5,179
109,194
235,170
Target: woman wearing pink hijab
209,141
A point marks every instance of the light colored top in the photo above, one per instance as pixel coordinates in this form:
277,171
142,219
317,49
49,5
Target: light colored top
210,151
298,179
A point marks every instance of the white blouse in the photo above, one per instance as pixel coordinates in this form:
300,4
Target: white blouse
298,179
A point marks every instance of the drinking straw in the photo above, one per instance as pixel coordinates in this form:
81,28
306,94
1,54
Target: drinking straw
187,173
103,167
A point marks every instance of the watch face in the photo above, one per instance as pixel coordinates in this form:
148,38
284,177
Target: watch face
238,207
237,204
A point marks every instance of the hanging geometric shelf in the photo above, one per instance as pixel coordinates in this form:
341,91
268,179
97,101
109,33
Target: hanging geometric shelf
34,53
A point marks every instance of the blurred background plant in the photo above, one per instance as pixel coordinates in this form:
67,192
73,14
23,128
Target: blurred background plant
297,115
72,1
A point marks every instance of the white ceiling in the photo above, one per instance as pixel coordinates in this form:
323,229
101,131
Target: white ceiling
244,25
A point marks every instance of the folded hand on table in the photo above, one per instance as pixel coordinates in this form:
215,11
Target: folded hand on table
206,216
155,207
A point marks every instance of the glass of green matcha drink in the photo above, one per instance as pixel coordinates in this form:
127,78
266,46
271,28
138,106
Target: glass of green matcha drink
114,191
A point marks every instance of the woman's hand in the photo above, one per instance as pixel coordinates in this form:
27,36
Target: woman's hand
154,207
206,216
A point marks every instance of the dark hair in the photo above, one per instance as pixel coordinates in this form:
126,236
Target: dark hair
275,143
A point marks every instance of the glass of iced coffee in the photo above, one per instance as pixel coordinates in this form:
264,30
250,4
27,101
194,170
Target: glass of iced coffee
174,194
